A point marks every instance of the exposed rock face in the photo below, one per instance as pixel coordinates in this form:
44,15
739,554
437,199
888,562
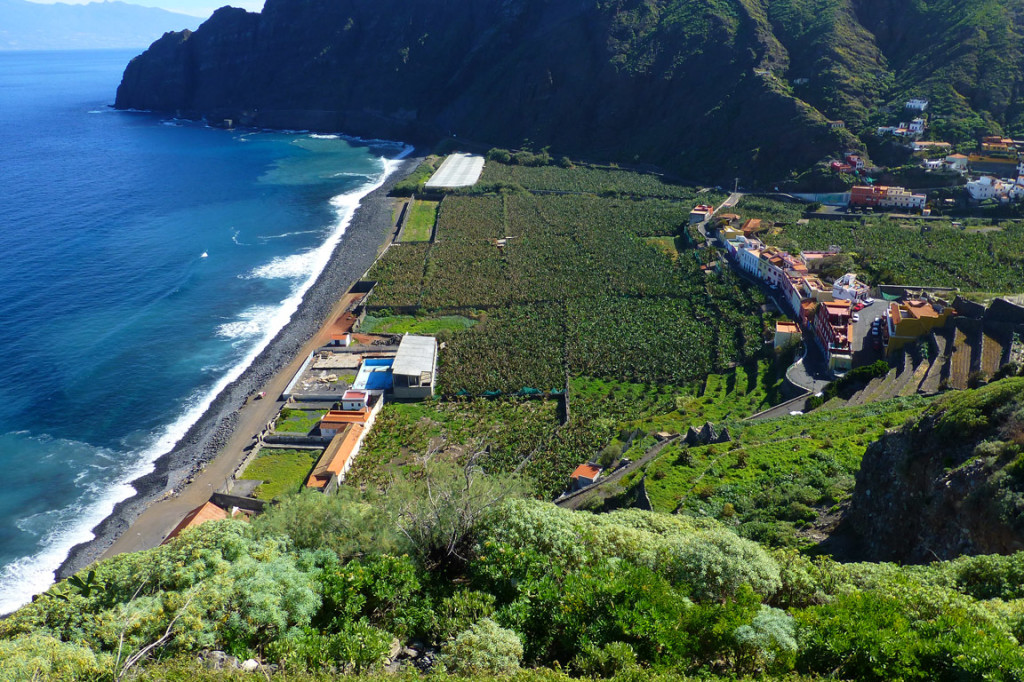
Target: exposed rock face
593,79
936,490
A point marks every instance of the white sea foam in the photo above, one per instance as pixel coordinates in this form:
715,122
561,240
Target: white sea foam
252,322
288,234
31,575
318,136
286,267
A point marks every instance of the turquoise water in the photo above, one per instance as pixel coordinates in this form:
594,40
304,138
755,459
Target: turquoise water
144,262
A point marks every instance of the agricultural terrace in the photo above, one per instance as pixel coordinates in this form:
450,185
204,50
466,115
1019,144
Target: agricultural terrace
567,285
910,252
778,478
420,223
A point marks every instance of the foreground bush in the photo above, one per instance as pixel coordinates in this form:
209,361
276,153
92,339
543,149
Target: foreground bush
485,648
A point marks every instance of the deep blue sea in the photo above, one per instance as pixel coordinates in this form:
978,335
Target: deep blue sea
143,263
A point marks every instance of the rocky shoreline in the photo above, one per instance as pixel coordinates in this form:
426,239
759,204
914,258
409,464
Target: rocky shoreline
370,226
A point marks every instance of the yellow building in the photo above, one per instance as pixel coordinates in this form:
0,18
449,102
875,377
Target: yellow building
909,320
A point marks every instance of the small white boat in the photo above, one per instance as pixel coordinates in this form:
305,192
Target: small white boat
205,255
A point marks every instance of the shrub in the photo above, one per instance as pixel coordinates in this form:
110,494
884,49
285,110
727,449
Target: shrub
342,523
611,660
769,642
713,565
39,657
990,577
485,648
360,647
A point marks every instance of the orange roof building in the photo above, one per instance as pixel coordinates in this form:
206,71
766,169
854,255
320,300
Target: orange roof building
909,320
585,474
336,420
207,511
338,457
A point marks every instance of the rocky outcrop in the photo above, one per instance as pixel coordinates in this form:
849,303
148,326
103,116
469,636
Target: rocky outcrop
706,435
948,485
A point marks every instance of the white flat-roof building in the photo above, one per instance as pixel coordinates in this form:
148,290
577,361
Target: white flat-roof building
458,170
415,367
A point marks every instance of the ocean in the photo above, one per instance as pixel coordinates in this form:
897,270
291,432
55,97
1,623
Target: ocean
144,262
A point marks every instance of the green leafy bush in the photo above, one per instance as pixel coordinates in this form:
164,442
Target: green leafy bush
484,648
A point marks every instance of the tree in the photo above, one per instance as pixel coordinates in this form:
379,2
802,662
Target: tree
438,510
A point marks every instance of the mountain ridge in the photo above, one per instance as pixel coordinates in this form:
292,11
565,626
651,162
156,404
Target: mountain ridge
716,88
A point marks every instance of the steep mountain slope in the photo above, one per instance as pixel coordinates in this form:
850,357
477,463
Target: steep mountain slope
672,83
709,88
951,483
34,26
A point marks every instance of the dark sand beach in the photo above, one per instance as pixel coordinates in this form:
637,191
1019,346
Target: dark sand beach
186,475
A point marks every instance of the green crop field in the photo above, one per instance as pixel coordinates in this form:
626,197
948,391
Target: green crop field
592,180
885,250
420,225
281,470
573,289
298,421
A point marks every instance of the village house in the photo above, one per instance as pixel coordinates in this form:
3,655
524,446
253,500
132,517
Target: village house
987,187
907,321
849,288
921,146
337,458
880,196
957,162
917,104
584,475
700,213
833,329
786,334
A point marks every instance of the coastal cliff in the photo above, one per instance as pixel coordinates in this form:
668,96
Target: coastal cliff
682,85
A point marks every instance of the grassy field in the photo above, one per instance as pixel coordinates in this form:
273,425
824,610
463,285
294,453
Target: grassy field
409,324
298,421
282,471
420,225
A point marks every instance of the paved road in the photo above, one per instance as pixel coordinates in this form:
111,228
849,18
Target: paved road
863,353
